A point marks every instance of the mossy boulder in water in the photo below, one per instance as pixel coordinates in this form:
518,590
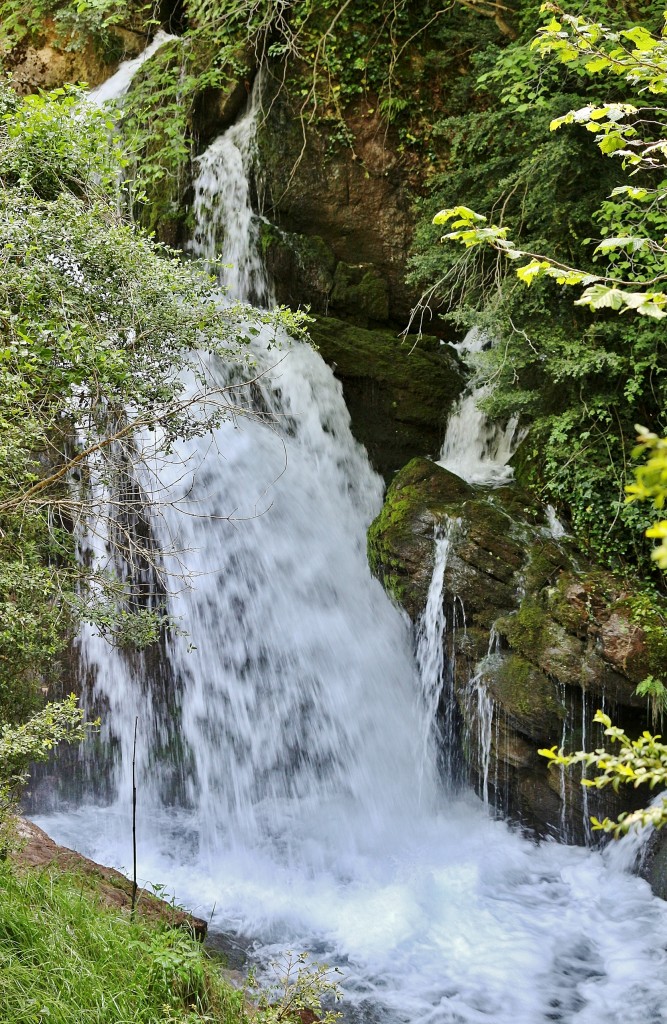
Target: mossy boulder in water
546,636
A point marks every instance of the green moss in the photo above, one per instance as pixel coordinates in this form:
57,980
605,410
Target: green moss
649,611
399,543
527,695
360,292
421,379
546,559
411,493
528,630
573,615
310,251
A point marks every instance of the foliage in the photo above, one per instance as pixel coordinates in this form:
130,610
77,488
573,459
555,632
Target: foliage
640,762
297,986
23,745
651,484
104,342
656,692
581,383
73,25
68,959
378,56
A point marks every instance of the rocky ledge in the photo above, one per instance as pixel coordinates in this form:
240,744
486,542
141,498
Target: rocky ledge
539,631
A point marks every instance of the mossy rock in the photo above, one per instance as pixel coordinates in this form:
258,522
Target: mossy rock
528,630
567,637
361,208
399,391
360,293
547,559
301,267
488,545
528,697
534,633
400,539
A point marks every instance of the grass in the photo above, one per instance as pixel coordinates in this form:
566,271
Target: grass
66,958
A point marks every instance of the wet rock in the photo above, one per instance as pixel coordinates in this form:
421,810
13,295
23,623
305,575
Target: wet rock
623,644
551,637
398,393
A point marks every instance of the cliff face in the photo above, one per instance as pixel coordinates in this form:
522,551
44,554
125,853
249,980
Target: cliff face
550,638
49,61
343,213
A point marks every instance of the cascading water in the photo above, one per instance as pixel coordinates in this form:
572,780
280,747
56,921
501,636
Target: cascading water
474,448
224,217
313,817
117,86
479,716
436,669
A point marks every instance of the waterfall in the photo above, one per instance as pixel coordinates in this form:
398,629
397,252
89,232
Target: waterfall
474,448
294,796
479,718
118,84
224,218
437,668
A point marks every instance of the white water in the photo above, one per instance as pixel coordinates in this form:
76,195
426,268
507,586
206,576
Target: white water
224,218
556,528
435,673
480,712
313,818
117,86
474,448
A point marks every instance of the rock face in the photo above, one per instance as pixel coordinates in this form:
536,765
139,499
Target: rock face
342,214
48,62
545,636
399,393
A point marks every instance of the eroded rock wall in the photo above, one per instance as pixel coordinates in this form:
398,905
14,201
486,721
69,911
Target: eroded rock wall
550,638
342,214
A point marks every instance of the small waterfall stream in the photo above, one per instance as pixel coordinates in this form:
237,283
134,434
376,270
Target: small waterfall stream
224,218
436,667
309,812
475,448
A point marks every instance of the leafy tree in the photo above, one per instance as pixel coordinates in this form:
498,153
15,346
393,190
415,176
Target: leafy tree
640,762
585,382
23,745
631,281
105,338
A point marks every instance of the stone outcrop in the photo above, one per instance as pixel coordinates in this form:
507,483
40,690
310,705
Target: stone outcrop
399,392
343,215
551,638
49,62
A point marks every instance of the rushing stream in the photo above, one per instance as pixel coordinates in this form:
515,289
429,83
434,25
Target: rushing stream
293,795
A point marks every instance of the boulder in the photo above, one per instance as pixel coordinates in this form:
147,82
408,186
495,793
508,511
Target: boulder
399,391
549,637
